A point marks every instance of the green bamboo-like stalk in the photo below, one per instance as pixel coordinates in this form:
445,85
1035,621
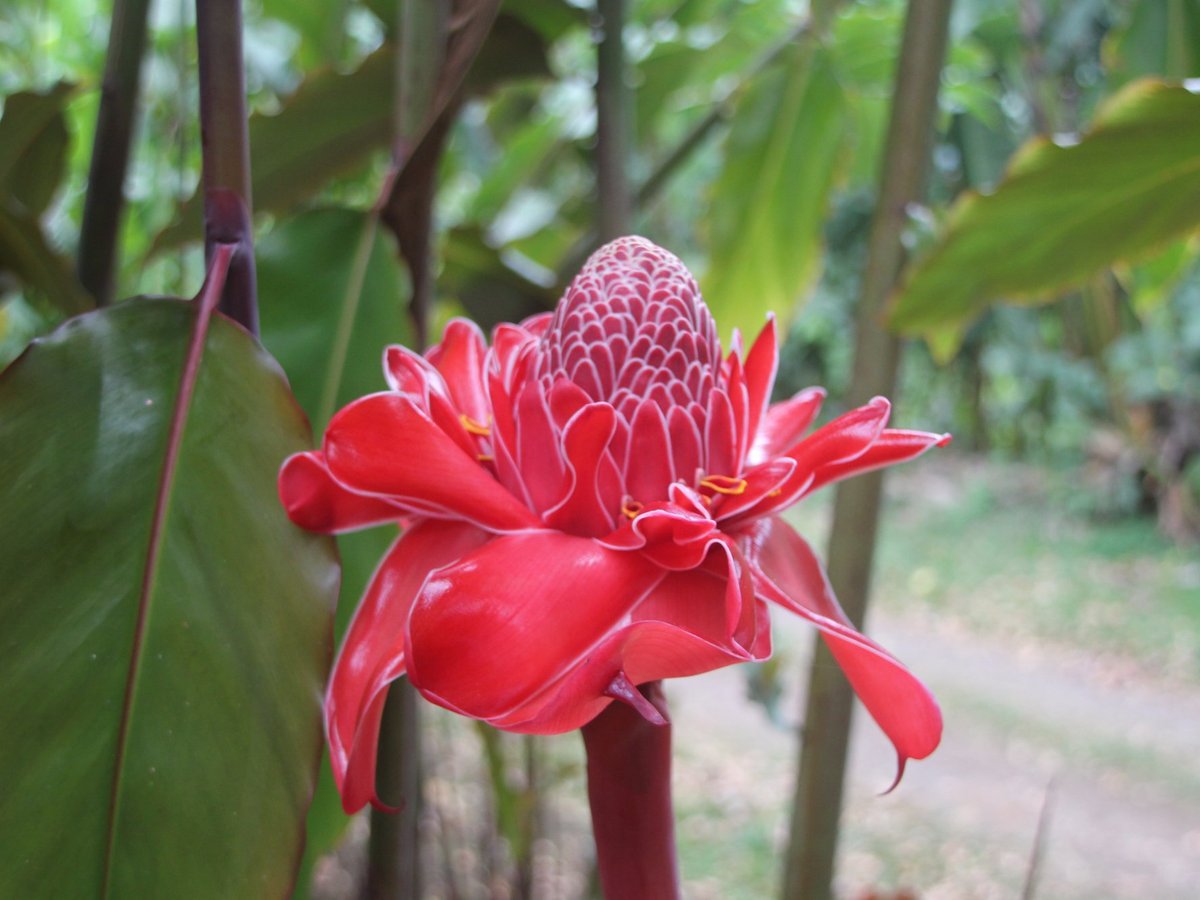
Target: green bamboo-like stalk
105,199
225,149
818,800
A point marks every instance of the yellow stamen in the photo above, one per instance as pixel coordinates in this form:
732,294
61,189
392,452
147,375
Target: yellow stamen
775,493
724,484
474,427
630,508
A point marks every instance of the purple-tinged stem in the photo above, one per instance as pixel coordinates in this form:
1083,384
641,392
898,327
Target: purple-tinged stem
102,207
225,148
629,789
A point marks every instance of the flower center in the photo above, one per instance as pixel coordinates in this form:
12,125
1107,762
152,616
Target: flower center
632,326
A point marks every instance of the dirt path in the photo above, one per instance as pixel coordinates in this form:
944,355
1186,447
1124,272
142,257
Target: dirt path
1123,753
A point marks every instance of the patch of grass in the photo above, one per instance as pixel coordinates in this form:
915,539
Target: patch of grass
995,546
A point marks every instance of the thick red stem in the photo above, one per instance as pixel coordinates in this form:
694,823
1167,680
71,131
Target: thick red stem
629,788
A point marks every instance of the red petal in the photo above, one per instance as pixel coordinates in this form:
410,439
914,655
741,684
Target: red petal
382,444
315,501
679,629
648,466
590,503
543,471
841,441
899,703
372,655
759,374
490,633
721,436
785,422
893,446
459,358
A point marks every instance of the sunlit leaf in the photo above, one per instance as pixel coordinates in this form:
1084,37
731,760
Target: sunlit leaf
781,160
165,639
1064,212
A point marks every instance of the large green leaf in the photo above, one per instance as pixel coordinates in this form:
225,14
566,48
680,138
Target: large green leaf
332,295
327,311
335,123
781,160
1063,213
164,645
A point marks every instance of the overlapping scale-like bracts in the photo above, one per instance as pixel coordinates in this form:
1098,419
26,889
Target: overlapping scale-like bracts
627,379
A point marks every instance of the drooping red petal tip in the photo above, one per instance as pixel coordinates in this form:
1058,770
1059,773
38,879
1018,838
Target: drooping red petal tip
622,689
901,763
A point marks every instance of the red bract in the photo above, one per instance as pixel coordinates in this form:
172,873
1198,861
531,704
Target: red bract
590,504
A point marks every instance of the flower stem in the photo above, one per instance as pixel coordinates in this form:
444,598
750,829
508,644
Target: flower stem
629,789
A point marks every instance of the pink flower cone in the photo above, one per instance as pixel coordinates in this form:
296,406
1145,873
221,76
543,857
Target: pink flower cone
590,504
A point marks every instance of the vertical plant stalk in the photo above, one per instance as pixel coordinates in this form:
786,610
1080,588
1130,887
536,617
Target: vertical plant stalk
614,113
393,856
393,869
105,199
629,790
818,800
225,149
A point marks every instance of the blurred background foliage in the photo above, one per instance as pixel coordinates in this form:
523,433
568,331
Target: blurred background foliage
757,136
758,128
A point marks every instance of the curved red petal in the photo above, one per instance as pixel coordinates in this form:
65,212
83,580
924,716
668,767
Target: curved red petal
678,629
498,628
315,501
372,655
893,446
898,702
594,493
460,358
758,371
836,443
784,423
383,444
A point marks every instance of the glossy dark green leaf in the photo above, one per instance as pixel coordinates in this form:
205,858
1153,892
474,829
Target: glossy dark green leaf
1062,213
781,160
162,671
33,146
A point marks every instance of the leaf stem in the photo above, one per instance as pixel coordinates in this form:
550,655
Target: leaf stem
105,199
225,148
629,790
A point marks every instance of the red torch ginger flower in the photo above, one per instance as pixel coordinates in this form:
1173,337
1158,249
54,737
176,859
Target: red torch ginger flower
589,505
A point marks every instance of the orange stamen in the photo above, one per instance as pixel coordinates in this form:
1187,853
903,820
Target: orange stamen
473,427
724,484
485,457
630,508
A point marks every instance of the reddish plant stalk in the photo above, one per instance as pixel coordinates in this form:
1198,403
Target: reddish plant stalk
225,148
629,789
